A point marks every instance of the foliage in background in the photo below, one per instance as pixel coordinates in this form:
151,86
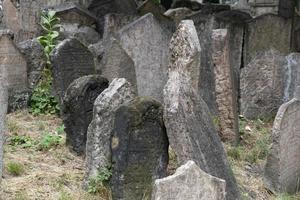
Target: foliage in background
42,101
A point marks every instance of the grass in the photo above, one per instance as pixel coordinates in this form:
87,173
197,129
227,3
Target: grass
14,168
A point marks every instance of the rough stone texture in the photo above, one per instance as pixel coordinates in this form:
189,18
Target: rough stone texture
36,60
146,42
186,51
98,150
178,14
116,63
262,85
261,33
150,6
11,16
139,149
226,91
70,60
282,170
189,182
77,109
291,75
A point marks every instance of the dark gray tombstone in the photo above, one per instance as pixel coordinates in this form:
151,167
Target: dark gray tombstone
77,109
139,149
70,60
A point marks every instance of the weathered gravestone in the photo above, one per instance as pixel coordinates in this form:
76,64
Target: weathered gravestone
3,110
291,75
77,109
98,150
262,85
189,183
70,60
189,124
116,63
139,149
12,61
265,32
146,42
226,90
282,170
36,60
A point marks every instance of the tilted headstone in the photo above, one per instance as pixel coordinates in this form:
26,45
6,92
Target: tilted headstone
77,109
189,183
146,42
36,60
139,149
189,122
282,170
226,91
266,32
262,85
98,150
13,62
70,60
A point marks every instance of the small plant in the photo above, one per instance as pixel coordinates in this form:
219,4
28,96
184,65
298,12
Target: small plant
49,141
14,168
21,140
60,129
64,196
98,184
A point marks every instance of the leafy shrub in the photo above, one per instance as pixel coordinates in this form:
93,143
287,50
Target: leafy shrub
21,140
49,141
15,169
98,184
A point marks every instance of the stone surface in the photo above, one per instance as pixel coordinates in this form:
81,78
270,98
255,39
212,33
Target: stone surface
226,91
189,122
261,33
262,85
11,16
189,182
150,6
139,149
77,109
116,63
146,42
178,14
282,170
98,150
70,60
36,60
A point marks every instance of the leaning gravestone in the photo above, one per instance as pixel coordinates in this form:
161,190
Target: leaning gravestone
77,109
146,42
139,149
282,170
265,32
226,90
189,183
70,60
261,85
189,123
98,151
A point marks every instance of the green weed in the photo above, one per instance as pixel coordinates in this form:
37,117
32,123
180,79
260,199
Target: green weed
98,184
14,168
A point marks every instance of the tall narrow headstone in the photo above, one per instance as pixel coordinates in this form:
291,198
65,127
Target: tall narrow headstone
146,42
282,170
98,150
189,182
70,60
77,109
189,123
226,92
139,149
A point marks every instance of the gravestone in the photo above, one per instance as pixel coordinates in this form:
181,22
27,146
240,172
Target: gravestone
98,150
11,16
70,60
77,108
189,122
282,170
116,63
186,51
262,85
226,90
3,110
261,33
189,182
139,149
33,52
12,61
146,42
178,14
